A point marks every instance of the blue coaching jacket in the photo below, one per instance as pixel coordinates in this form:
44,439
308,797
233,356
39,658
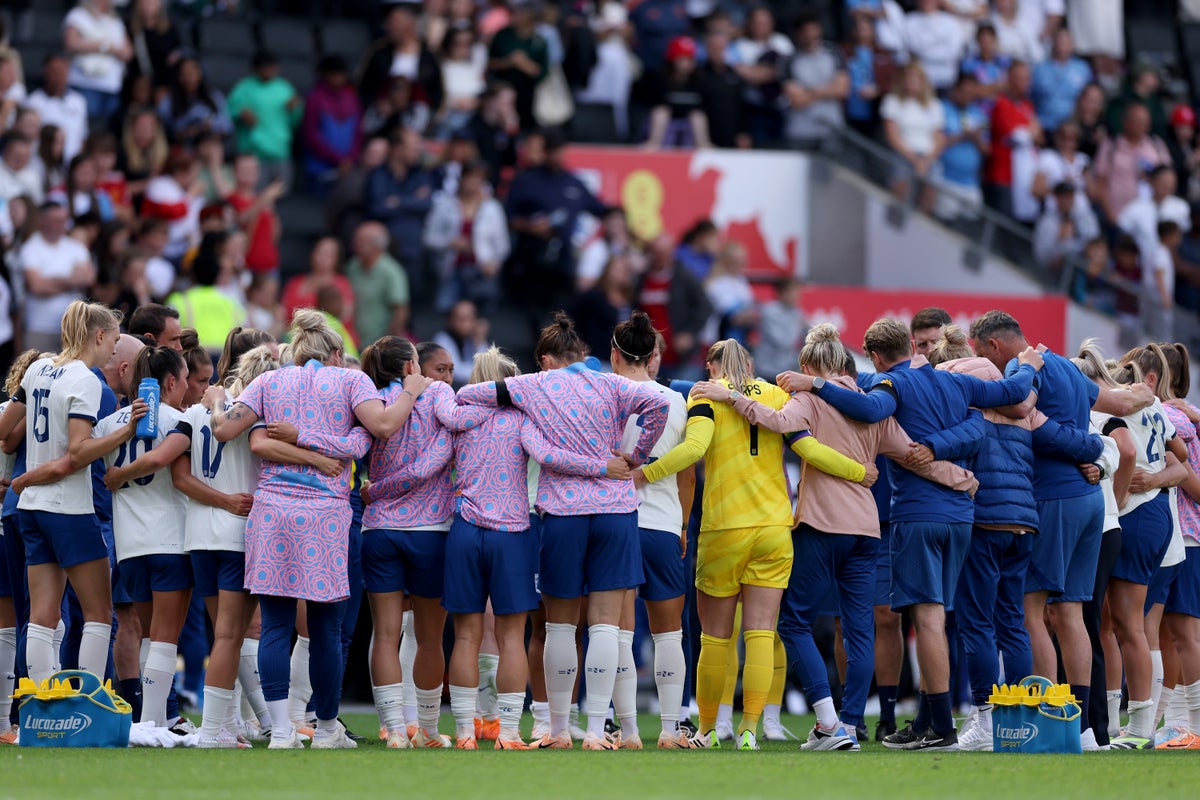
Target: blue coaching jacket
1005,462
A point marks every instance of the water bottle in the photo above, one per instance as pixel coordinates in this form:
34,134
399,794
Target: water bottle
148,392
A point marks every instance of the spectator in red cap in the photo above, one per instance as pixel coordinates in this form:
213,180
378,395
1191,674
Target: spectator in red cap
1185,158
677,113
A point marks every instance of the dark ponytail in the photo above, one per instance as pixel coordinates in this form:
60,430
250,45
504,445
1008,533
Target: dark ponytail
239,341
157,363
560,341
635,339
385,361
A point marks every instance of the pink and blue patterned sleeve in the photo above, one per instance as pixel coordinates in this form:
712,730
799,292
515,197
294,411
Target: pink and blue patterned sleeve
428,463
353,445
478,394
556,458
253,396
651,408
360,389
455,417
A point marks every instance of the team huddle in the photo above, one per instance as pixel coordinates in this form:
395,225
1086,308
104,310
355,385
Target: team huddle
1030,509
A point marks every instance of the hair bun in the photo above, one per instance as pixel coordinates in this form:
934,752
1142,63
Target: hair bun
954,336
308,319
563,320
825,332
640,321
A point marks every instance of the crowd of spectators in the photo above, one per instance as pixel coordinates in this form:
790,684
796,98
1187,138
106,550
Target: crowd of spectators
127,176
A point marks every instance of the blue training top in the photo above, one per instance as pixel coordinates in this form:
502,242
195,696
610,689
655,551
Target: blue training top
1066,396
926,402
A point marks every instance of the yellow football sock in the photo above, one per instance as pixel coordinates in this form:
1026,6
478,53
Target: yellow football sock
756,676
710,678
731,663
779,675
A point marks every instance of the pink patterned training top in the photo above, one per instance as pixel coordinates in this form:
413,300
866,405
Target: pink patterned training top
411,487
1189,510
491,463
320,402
584,412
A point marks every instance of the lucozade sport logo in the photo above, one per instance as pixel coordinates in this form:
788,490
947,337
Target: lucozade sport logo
51,728
1018,736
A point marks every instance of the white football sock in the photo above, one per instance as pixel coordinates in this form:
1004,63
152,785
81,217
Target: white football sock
1156,686
300,684
408,657
327,728
218,705
1166,698
1113,696
486,702
670,672
93,648
510,704
827,716
1192,699
601,666
389,702
724,716
8,667
624,696
1141,719
462,706
281,723
157,678
561,663
540,711
1177,711
39,652
60,632
251,682
429,708
771,712
143,653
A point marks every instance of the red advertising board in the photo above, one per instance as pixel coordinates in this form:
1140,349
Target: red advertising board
759,199
853,309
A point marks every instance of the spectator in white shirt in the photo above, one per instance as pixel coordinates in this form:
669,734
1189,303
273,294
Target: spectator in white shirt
1064,162
57,270
1141,217
914,123
934,38
18,176
1016,40
1064,229
58,104
1158,284
95,38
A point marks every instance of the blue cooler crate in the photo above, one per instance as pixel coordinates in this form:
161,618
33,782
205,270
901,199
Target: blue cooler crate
72,709
1035,716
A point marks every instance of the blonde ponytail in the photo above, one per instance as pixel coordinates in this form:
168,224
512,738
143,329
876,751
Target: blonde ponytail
823,350
492,365
952,346
80,322
251,364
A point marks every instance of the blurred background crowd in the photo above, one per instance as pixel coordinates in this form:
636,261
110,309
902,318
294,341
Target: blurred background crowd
401,165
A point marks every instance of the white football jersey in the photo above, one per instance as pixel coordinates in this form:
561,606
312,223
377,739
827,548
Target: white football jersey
54,395
1151,430
228,467
148,513
658,502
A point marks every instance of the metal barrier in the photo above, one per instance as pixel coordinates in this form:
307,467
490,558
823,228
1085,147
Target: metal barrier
987,231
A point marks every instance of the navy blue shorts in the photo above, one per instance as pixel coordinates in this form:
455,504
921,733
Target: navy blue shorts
1145,536
1184,596
120,596
1066,548
883,567
413,562
927,558
1160,586
663,564
219,571
5,581
589,553
63,539
535,550
144,575
483,563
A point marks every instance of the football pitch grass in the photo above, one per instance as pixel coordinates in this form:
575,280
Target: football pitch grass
780,770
